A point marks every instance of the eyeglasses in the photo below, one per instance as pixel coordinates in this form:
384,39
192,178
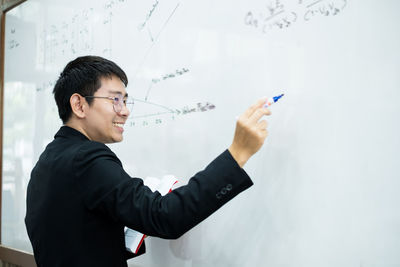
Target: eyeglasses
118,102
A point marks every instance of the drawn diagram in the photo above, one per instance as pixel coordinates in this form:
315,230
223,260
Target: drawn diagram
152,113
79,33
95,30
145,111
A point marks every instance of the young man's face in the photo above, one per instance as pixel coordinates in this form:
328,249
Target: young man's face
102,123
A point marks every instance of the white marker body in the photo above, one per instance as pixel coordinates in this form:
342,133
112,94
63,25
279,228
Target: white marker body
269,102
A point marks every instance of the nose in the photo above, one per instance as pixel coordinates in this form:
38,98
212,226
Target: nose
124,111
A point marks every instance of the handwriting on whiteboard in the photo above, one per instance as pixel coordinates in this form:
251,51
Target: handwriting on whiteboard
76,34
178,72
321,8
67,38
278,15
142,25
13,43
47,85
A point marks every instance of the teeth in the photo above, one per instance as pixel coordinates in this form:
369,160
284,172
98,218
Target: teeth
118,124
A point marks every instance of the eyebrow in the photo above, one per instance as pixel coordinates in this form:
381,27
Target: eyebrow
118,92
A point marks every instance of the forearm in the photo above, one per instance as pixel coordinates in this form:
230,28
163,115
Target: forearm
179,211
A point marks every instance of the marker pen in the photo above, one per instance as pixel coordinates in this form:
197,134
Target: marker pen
272,100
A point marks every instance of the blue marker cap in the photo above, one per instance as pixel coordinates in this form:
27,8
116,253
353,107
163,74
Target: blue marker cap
276,98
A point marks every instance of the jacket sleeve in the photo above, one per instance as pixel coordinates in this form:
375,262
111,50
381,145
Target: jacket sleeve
108,189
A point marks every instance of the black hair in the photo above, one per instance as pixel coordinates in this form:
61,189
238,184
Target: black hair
82,76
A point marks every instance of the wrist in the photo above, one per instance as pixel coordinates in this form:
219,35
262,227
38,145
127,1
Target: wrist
239,156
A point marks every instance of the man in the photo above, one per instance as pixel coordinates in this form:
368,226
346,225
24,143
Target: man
80,198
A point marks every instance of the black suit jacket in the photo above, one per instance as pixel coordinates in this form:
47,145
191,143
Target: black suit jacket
80,198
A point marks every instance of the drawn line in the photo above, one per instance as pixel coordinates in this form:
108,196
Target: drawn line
166,22
148,91
274,15
155,40
316,2
154,104
151,115
151,36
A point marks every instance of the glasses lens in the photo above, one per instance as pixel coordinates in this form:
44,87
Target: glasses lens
129,103
120,101
117,103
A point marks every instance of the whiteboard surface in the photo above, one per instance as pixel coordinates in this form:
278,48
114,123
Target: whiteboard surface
327,178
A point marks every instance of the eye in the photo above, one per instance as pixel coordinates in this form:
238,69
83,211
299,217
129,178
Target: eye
117,99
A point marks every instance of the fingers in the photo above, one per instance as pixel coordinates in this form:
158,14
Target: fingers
263,134
258,113
262,129
262,125
250,132
249,112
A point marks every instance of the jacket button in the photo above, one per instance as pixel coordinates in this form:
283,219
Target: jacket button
224,191
218,195
228,187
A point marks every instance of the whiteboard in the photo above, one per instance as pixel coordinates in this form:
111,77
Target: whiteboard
327,178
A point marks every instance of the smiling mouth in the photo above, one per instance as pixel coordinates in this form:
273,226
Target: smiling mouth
118,124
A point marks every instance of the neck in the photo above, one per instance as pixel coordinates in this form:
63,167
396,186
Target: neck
76,125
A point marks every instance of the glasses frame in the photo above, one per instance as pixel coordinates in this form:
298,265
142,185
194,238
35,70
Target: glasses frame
117,103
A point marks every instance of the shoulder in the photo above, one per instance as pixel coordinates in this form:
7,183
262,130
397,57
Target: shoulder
92,152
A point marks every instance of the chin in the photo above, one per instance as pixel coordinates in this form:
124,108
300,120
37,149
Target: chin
118,139
113,140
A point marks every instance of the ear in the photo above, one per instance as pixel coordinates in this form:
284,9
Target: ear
78,105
